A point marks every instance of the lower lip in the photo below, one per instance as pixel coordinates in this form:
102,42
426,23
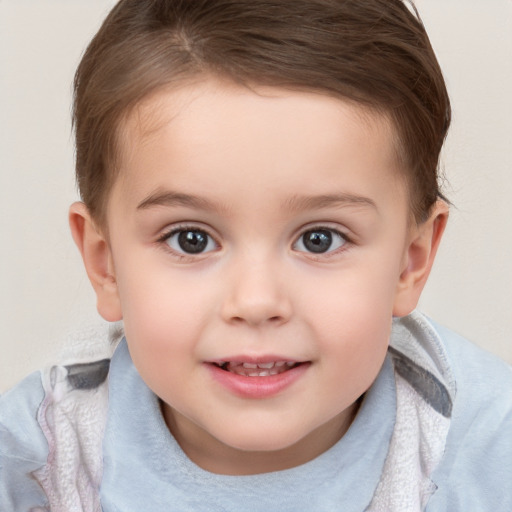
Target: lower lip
257,387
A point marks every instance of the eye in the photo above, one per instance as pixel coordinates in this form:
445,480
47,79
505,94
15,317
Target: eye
190,241
320,241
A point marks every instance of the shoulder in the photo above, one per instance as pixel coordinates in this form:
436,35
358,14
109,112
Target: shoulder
475,369
19,429
476,470
51,429
476,380
23,446
483,398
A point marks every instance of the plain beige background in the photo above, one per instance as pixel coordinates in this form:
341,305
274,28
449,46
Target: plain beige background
45,298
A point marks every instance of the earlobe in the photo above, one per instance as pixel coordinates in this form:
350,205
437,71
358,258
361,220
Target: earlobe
96,255
419,258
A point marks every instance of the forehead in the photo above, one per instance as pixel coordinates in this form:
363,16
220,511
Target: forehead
195,95
211,126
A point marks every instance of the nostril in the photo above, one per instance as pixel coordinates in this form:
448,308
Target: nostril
272,319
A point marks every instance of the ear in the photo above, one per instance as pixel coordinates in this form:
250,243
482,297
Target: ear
97,257
419,257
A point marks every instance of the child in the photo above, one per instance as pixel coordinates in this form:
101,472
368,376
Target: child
261,210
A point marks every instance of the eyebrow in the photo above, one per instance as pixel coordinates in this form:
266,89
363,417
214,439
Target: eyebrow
297,203
170,198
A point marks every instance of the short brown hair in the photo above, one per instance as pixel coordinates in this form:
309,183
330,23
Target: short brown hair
373,52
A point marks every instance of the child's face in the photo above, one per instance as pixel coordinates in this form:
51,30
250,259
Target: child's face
268,227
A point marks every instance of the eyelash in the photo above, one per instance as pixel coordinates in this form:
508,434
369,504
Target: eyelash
342,237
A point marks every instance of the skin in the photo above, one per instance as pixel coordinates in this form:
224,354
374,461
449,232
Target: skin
252,170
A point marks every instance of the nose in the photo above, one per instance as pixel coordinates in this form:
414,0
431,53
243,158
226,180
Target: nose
256,295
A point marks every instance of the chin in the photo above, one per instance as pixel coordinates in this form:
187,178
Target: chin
262,440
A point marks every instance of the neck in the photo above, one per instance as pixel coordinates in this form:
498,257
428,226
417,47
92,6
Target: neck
217,457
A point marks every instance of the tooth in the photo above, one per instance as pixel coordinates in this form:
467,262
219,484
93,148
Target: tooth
253,374
280,363
264,374
266,366
290,363
250,366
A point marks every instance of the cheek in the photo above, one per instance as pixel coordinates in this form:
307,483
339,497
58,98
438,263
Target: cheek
352,319
354,348
356,298
357,337
163,316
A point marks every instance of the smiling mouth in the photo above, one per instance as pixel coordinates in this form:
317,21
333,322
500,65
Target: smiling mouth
257,369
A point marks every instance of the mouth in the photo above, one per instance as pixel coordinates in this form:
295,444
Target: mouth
267,369
257,378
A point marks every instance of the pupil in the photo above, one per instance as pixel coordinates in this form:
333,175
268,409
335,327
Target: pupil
193,241
317,241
